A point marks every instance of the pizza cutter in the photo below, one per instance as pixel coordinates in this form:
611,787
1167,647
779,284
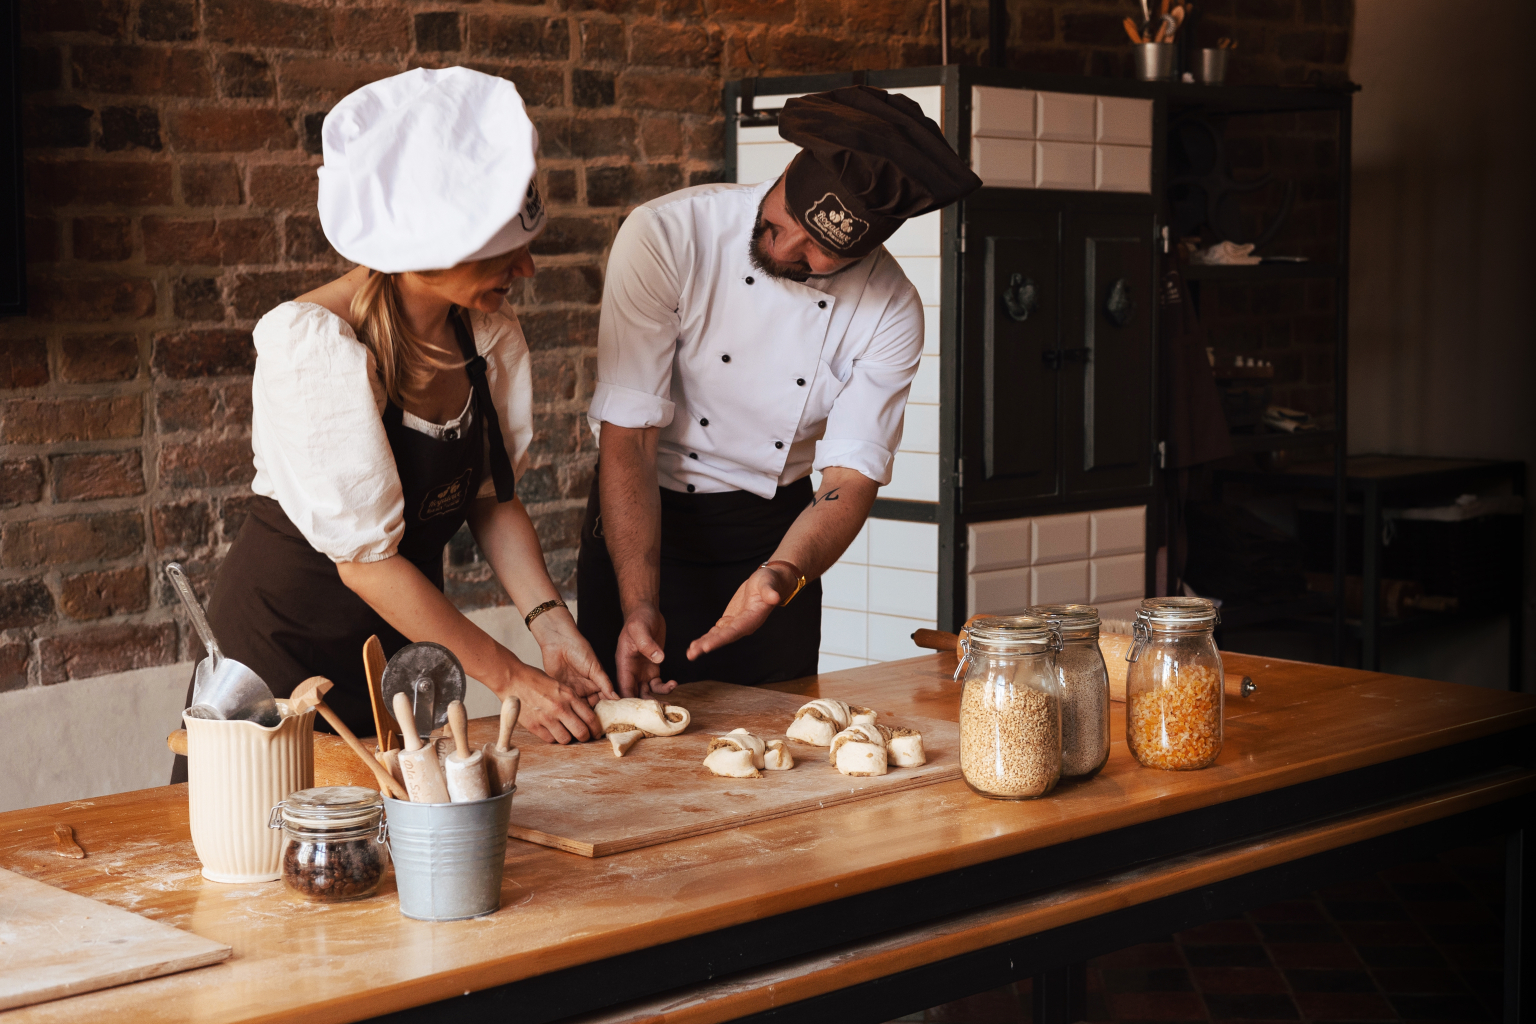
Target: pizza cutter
431,677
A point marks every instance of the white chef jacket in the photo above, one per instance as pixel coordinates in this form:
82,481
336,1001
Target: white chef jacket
753,381
317,436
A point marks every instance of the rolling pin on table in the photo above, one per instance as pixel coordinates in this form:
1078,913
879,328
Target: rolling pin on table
1114,647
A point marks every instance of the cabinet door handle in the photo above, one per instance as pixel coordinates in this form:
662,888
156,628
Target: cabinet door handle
1054,357
1020,298
1119,306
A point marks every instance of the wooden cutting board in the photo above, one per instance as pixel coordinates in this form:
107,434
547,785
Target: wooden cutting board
582,799
54,944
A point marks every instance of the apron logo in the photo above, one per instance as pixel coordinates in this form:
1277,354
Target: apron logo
533,208
833,221
448,498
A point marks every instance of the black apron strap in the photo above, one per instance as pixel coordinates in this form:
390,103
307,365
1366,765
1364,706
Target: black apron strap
501,465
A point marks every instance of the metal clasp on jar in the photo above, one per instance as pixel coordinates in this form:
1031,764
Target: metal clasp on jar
275,819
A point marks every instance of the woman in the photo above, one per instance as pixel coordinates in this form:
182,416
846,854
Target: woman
393,404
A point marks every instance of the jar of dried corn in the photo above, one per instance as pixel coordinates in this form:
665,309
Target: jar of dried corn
1010,707
1173,686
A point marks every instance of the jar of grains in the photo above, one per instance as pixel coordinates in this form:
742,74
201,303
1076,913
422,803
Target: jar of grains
334,851
1084,685
1173,686
1010,707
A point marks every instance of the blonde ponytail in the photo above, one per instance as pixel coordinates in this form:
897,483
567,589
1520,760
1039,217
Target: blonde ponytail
406,363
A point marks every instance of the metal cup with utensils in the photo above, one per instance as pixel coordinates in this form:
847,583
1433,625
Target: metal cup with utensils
431,676
1154,61
222,688
1211,66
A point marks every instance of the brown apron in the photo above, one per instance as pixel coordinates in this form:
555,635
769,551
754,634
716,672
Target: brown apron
280,606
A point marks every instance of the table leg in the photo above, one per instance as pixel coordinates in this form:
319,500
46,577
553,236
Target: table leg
1370,581
1061,995
1519,918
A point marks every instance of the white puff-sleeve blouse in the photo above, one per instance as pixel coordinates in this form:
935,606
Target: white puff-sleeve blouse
317,429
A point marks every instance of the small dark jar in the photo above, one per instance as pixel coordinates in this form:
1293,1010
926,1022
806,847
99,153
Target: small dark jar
333,849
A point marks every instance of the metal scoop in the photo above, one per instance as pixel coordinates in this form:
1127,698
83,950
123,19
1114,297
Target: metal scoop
431,677
222,688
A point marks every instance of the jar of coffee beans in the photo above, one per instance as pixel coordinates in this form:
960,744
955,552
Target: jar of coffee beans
1084,682
333,850
1173,686
1010,707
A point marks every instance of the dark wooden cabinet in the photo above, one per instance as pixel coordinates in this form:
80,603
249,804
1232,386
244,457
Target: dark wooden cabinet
1057,347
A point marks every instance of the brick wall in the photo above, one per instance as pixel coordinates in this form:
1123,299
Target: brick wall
171,148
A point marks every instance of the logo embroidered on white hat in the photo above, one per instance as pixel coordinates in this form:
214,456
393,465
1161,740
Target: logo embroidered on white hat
532,212
833,221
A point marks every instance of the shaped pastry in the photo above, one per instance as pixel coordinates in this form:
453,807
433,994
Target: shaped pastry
859,750
777,757
647,716
904,747
820,720
736,755
622,741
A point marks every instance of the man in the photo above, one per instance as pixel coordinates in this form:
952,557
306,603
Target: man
751,335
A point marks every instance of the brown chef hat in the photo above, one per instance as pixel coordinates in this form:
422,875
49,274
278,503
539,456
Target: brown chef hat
869,161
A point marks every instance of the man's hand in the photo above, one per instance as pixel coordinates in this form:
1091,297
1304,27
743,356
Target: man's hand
568,658
760,594
639,654
553,711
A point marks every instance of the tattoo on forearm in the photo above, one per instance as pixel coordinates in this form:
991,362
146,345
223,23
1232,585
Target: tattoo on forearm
828,496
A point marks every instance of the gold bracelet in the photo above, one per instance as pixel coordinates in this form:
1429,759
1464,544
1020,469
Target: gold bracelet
795,571
541,609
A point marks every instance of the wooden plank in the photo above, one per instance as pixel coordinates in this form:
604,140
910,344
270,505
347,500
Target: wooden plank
54,944
583,800
802,978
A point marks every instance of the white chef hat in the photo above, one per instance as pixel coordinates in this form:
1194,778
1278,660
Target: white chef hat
428,169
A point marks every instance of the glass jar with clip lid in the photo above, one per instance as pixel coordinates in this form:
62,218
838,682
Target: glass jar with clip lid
334,850
1010,707
1084,682
1173,686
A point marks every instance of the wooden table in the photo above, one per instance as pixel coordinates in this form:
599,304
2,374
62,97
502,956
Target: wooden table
861,913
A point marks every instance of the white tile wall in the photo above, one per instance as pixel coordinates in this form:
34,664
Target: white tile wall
1066,116
1093,557
836,662
925,386
1122,169
921,433
920,236
1059,538
1064,165
914,477
1001,544
1080,143
884,587
1003,113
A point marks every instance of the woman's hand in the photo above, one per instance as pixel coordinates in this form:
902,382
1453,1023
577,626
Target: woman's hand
568,658
553,711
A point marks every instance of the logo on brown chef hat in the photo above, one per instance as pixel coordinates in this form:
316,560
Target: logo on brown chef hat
834,223
533,208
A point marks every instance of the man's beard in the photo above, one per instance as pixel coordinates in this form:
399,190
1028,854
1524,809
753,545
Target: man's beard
767,264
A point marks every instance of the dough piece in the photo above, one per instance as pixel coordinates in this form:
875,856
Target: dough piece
777,757
904,747
859,750
622,741
819,721
735,755
861,716
648,716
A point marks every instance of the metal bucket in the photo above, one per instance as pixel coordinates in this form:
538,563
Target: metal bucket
1211,66
1154,61
448,857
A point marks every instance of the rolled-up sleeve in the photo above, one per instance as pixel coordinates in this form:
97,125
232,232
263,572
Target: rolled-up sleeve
864,427
509,376
638,329
319,442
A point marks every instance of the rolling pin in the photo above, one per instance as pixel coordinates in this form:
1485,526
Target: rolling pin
501,757
465,768
423,776
1113,646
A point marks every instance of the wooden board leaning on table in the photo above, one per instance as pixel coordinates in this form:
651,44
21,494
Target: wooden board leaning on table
581,799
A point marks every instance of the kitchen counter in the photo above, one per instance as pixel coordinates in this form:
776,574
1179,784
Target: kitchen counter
1321,763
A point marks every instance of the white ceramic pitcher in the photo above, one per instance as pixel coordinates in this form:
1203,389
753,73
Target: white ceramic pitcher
236,773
